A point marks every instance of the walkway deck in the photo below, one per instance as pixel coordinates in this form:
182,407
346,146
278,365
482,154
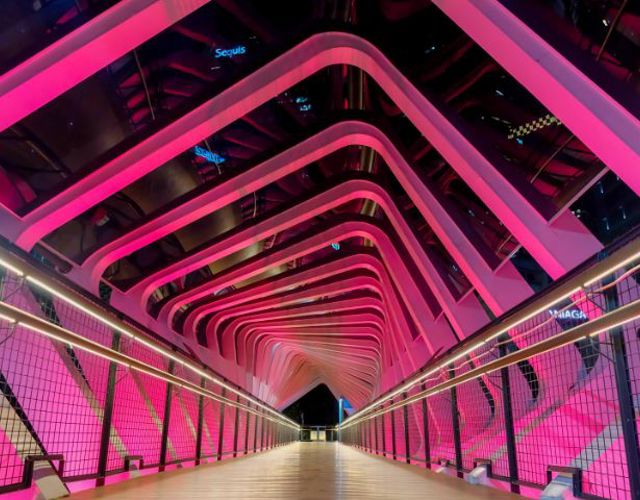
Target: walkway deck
300,471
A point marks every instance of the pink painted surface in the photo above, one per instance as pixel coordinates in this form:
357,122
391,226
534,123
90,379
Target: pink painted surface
600,122
558,247
501,289
81,53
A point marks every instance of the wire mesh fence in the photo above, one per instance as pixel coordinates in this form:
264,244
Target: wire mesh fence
60,399
542,404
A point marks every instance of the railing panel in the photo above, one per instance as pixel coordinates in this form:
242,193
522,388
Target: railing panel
48,400
565,378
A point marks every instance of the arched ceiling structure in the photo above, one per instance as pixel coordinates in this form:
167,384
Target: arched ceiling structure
311,192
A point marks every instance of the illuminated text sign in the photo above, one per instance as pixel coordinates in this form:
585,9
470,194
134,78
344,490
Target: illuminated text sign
568,314
230,53
208,155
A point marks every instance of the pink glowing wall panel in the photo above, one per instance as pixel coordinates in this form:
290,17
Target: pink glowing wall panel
212,427
51,389
183,423
139,428
11,467
229,423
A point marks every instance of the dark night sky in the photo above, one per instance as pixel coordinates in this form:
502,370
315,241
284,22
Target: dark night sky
318,405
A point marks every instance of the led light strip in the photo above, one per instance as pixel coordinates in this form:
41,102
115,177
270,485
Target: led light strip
621,258
59,334
9,262
11,268
619,317
445,364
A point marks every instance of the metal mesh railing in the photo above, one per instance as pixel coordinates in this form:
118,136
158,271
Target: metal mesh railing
552,385
66,391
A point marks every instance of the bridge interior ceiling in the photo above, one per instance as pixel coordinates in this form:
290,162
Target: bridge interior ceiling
314,192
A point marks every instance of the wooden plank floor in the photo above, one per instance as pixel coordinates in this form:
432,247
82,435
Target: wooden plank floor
298,471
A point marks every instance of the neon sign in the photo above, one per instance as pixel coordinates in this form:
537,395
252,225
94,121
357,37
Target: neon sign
568,314
533,126
209,156
230,53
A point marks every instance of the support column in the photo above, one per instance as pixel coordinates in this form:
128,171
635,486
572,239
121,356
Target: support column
456,425
625,393
165,421
405,415
246,431
255,433
200,424
384,436
108,414
222,407
508,420
425,430
375,433
235,429
393,434
262,431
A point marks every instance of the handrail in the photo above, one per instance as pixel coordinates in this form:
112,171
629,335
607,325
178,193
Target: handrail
21,318
615,318
582,277
22,268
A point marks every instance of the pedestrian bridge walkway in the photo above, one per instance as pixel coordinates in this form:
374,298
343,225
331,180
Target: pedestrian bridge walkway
299,471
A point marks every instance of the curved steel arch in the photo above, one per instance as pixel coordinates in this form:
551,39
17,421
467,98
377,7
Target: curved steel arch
339,264
501,288
238,320
358,283
333,197
237,332
351,326
410,292
513,208
396,317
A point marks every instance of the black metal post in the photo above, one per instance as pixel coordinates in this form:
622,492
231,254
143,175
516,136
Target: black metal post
393,434
261,432
255,433
375,433
365,436
405,415
235,429
246,431
512,454
107,416
425,430
200,424
165,421
384,436
625,394
456,425
221,427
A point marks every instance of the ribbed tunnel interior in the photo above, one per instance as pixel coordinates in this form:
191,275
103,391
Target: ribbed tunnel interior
326,192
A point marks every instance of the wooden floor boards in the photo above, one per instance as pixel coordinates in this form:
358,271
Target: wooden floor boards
298,471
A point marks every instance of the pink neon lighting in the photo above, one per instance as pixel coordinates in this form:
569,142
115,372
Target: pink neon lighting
319,51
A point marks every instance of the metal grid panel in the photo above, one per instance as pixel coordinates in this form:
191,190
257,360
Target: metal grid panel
441,427
480,416
416,433
388,434
398,416
242,422
183,423
229,421
252,427
49,403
